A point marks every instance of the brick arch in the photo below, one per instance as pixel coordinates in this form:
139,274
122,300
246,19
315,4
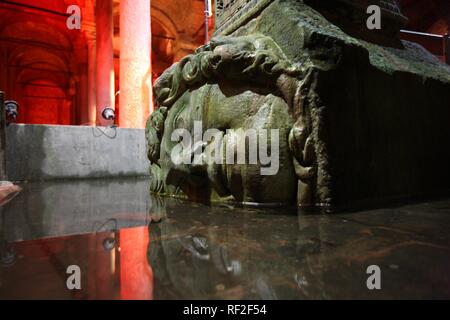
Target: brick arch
184,25
40,82
48,105
163,46
25,56
43,59
44,96
31,72
69,48
165,18
42,29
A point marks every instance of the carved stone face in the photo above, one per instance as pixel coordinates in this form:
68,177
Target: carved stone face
246,92
232,109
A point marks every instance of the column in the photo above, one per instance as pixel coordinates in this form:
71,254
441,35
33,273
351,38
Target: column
92,88
3,176
135,64
447,48
3,68
82,115
105,57
136,275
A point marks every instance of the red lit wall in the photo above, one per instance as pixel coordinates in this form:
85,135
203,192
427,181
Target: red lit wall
45,102
46,67
41,60
50,70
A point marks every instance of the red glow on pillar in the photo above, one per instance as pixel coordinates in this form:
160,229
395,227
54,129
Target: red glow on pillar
136,276
135,63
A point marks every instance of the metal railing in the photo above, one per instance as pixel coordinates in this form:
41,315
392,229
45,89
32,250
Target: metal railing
437,44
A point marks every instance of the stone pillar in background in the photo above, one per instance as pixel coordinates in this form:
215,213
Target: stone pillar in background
447,48
92,88
2,137
3,69
105,58
82,115
136,275
135,63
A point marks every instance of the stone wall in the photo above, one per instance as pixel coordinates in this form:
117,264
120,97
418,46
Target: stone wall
62,208
380,114
38,152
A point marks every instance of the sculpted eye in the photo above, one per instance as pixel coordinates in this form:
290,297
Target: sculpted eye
215,61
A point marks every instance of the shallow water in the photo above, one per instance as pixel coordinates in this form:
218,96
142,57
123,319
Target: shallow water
130,245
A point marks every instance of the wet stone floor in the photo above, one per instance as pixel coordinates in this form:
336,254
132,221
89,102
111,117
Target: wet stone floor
127,244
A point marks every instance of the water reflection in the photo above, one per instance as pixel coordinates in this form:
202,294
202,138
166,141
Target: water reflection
52,209
228,253
113,266
193,258
183,250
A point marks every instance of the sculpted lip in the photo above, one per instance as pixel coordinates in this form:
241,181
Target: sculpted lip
234,147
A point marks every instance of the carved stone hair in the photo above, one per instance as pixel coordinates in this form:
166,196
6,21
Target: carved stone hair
255,59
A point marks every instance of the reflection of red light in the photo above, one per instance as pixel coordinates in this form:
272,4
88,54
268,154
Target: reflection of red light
136,276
